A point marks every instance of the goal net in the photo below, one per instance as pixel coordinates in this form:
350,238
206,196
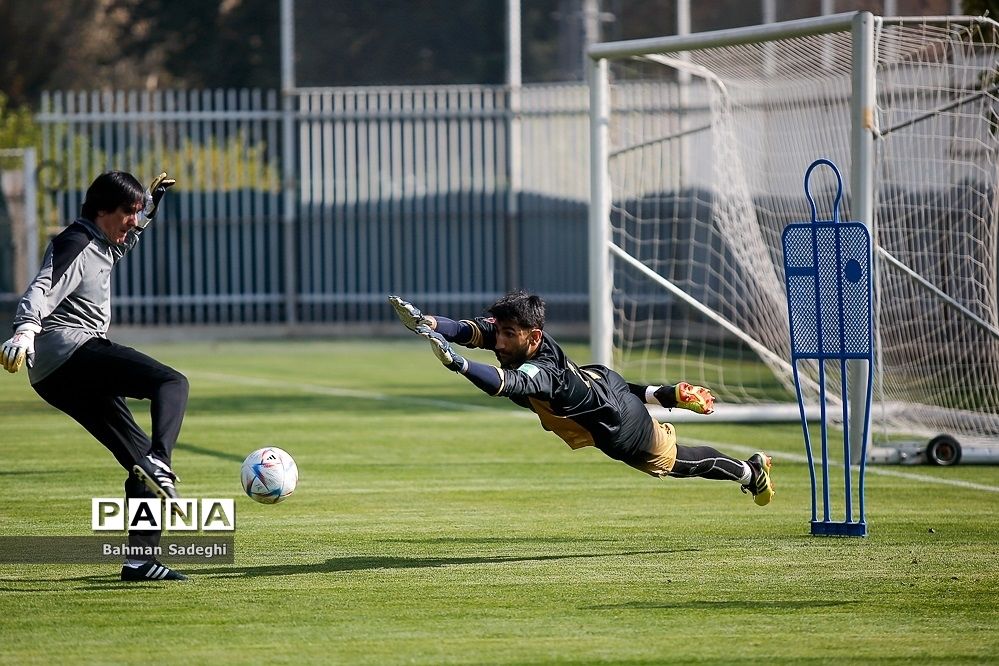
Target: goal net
706,150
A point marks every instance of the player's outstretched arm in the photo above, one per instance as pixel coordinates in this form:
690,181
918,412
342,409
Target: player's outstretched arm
683,395
412,318
487,377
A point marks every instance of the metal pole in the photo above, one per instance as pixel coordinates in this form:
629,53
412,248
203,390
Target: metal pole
861,195
513,82
591,30
769,10
601,304
827,9
31,211
683,95
288,152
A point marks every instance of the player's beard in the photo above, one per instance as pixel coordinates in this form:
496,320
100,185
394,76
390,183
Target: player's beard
513,359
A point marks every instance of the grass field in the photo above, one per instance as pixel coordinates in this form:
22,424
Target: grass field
435,525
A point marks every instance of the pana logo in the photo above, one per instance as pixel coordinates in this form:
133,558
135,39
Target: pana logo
113,514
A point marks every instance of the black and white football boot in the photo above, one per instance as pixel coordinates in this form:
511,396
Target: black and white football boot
157,476
151,570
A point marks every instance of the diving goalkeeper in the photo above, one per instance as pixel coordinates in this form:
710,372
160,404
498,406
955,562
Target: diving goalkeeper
588,405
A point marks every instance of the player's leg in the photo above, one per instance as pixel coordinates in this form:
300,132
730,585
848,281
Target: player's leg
143,565
709,463
109,420
103,417
665,457
130,373
89,387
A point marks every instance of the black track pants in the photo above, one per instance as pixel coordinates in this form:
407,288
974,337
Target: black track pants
92,386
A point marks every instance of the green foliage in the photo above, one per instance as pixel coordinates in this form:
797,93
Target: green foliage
436,525
17,129
213,165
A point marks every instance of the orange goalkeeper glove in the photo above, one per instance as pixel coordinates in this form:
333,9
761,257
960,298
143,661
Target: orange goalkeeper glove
686,396
695,398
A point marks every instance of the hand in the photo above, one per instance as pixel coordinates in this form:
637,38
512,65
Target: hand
154,194
17,350
442,350
695,398
410,315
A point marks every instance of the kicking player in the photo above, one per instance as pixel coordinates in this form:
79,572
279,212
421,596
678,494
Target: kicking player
588,405
60,333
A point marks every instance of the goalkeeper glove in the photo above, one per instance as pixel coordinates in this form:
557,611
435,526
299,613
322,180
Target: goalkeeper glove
442,350
20,348
686,396
410,315
154,194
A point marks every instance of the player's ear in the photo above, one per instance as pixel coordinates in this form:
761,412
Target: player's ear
535,336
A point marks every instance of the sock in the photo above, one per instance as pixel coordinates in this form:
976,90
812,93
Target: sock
134,564
650,395
747,475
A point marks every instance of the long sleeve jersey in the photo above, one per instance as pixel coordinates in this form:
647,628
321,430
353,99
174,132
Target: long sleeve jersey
588,405
69,301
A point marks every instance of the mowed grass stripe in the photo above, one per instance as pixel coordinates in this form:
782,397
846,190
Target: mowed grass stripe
336,391
430,534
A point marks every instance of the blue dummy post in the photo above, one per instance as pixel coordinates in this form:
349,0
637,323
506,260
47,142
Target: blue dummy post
827,269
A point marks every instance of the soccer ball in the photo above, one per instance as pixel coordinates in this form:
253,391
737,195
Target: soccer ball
269,475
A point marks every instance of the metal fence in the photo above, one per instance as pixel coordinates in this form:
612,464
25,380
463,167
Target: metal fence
451,195
18,224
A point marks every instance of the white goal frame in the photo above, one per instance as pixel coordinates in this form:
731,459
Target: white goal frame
603,252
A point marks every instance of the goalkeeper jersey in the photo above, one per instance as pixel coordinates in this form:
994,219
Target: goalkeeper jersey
588,405
70,297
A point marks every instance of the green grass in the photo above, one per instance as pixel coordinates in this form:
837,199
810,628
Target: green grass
435,525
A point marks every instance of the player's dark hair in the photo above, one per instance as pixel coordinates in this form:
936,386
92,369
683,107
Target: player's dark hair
109,192
523,309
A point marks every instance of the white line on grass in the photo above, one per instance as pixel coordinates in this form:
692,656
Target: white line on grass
871,469
319,389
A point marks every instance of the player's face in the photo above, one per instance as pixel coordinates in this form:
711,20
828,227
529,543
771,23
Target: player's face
514,345
118,223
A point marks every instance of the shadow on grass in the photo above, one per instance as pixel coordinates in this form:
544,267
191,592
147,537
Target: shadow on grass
332,565
373,563
737,604
205,451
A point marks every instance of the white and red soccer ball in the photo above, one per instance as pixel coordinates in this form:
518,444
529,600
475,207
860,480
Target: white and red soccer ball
269,475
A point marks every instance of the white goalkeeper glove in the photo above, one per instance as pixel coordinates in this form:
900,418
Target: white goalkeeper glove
19,349
154,194
442,350
410,315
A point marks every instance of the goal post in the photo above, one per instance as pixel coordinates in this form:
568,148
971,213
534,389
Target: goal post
699,144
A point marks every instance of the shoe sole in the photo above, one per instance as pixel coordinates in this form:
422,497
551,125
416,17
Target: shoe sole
763,498
185,579
150,483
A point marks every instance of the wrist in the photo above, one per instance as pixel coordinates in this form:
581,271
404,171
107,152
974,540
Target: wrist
666,395
28,327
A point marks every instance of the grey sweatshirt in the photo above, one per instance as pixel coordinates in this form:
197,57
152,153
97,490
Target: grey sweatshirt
69,300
